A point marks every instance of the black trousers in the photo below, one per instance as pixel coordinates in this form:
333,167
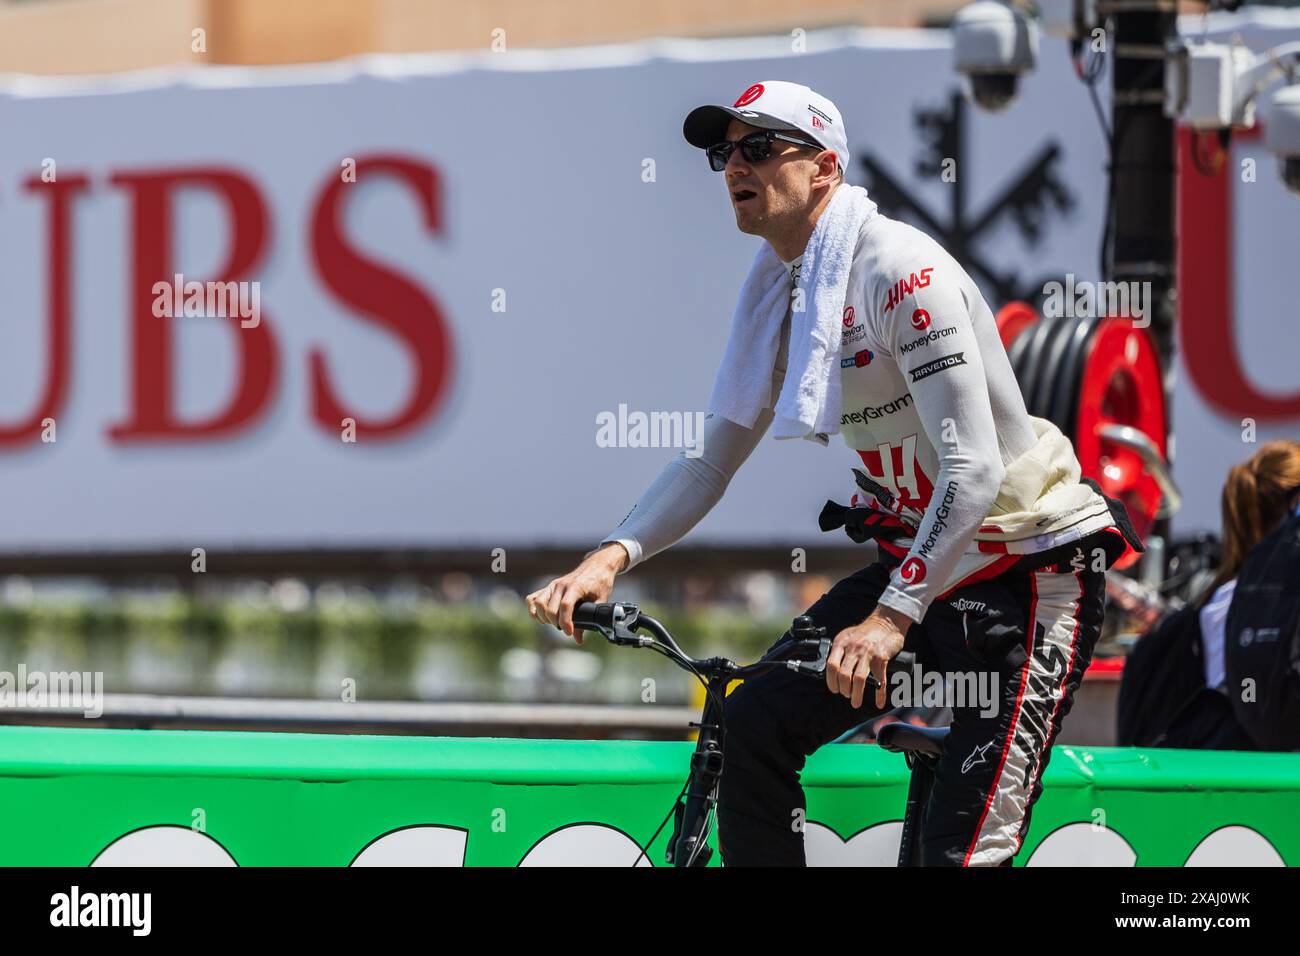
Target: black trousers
1026,637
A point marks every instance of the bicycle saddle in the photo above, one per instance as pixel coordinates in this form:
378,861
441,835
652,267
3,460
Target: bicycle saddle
904,738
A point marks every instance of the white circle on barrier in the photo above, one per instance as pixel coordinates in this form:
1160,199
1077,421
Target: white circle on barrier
874,846
416,846
1235,846
164,845
1083,844
585,844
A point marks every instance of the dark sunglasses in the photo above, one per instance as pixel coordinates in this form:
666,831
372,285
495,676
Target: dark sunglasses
755,148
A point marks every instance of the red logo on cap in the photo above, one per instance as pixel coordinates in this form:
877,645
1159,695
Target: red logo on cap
817,123
920,319
751,94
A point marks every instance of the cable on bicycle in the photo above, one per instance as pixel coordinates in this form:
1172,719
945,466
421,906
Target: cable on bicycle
643,855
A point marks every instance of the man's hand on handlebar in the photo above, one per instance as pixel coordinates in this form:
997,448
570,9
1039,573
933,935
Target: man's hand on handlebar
592,580
866,649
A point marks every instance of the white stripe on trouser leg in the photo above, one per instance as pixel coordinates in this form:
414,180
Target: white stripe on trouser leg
1056,610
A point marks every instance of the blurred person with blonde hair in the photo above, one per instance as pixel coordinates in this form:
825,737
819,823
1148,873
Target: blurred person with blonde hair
1258,494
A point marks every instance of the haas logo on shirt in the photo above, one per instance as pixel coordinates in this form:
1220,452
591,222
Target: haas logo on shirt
912,571
920,319
751,94
848,317
905,287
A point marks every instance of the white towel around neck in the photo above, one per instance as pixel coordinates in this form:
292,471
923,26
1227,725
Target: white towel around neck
809,404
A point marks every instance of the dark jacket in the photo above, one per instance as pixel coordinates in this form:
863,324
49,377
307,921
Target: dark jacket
1163,700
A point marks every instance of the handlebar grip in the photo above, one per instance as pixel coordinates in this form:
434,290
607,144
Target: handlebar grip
591,616
903,660
616,620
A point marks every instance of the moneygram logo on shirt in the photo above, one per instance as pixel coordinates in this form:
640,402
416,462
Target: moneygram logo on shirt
872,412
912,571
940,524
932,336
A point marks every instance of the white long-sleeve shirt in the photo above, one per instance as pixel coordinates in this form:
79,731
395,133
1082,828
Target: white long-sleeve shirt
932,410
1213,618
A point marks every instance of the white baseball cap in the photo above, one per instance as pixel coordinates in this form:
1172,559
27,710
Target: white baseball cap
773,104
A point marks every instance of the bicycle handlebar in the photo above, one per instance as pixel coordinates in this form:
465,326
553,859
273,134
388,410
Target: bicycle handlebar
806,654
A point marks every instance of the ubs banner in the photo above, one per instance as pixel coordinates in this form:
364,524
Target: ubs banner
467,301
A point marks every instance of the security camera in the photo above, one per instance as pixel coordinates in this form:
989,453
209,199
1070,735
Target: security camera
1210,85
993,43
1282,135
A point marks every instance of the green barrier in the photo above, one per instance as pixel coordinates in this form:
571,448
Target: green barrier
70,797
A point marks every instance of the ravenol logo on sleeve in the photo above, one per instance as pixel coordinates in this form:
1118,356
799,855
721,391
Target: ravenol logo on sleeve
940,364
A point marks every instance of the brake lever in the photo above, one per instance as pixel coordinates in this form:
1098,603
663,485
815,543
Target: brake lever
901,660
816,667
617,622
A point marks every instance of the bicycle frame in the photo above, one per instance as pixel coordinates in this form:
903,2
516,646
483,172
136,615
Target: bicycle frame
805,653
693,813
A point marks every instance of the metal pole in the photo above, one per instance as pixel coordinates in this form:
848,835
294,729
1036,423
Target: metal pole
1142,185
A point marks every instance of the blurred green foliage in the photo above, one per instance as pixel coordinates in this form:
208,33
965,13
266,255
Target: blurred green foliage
425,650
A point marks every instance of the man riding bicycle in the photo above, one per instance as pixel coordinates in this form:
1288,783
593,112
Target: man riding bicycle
992,550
